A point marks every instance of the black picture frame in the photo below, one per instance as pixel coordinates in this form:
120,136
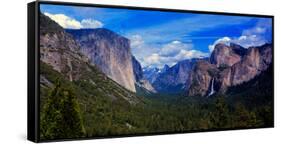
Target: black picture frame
33,118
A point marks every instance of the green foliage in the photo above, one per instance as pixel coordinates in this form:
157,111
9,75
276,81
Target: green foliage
61,116
220,115
97,105
243,117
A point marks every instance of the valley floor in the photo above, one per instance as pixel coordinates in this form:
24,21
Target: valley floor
91,114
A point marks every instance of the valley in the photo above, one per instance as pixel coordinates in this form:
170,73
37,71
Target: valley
91,85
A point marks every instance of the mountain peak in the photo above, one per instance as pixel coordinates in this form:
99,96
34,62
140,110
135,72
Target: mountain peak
238,49
224,55
48,26
96,34
221,45
165,68
234,45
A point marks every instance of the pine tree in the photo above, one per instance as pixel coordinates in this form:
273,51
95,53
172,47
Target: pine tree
220,117
61,116
244,118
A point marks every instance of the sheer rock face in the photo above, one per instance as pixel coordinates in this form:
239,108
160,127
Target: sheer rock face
224,55
200,78
146,84
224,79
230,72
238,49
108,51
59,49
253,63
137,69
139,78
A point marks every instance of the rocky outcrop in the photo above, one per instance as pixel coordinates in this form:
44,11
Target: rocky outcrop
253,63
137,69
109,52
140,79
241,51
60,56
199,80
59,49
145,84
224,80
229,66
224,55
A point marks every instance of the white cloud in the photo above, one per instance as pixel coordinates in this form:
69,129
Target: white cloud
68,22
225,40
91,23
140,49
136,41
174,47
153,59
65,21
159,55
255,36
186,26
255,30
188,54
172,53
250,40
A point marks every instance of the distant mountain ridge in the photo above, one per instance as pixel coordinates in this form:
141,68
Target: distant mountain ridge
151,73
228,65
173,79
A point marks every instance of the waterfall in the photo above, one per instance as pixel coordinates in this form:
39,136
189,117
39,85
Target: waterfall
212,87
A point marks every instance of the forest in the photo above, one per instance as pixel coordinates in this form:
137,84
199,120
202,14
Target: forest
79,110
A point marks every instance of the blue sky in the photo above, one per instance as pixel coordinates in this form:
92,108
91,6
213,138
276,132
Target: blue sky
159,38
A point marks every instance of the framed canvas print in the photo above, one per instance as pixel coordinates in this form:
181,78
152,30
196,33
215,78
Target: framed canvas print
101,71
